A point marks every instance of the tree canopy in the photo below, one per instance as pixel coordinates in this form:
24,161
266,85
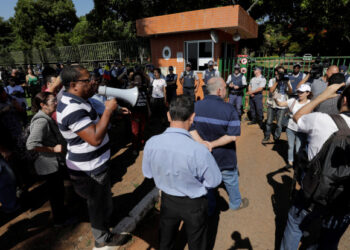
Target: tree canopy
296,27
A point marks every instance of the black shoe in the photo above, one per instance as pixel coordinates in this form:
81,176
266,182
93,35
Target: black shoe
252,122
113,240
276,139
266,139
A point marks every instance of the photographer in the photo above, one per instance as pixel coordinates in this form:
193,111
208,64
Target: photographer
279,90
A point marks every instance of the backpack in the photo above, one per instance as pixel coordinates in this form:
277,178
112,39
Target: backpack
327,175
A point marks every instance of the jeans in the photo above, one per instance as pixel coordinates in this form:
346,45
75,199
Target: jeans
8,197
230,179
256,107
273,113
236,101
296,139
96,189
333,228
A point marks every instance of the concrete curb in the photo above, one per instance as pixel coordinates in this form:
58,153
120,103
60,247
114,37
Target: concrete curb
128,224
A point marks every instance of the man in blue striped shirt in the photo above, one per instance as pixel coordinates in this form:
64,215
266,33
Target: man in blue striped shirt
183,170
217,125
88,149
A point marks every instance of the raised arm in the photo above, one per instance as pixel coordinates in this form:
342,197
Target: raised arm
95,133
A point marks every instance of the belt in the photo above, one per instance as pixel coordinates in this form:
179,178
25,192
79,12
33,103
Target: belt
165,195
189,87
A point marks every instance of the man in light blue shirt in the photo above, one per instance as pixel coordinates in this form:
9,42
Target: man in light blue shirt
183,170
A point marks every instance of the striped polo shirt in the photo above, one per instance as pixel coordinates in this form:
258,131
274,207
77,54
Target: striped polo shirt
73,115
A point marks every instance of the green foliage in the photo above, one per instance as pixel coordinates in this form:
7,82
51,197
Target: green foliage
42,23
299,26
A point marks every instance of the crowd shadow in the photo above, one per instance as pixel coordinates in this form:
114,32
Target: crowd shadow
281,147
280,201
240,243
23,230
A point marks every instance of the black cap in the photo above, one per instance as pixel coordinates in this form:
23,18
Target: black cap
171,68
189,64
237,66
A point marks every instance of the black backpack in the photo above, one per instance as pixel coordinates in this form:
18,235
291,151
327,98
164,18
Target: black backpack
327,176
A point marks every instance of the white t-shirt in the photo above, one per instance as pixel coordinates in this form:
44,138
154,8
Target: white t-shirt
291,123
158,91
319,127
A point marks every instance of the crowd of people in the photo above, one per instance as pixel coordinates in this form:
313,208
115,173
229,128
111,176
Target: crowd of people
68,135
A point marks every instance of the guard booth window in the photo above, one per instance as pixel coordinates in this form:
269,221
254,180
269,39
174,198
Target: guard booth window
199,53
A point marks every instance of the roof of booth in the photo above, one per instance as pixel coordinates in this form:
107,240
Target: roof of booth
229,19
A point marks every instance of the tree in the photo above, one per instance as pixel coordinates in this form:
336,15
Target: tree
41,23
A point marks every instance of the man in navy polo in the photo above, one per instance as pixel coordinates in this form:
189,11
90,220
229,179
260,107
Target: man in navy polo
218,131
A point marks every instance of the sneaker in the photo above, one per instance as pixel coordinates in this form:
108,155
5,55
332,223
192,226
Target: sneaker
266,140
244,204
112,241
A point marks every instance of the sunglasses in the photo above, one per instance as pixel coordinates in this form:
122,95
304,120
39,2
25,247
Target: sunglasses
300,92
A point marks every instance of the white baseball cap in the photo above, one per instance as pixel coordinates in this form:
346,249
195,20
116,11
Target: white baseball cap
304,88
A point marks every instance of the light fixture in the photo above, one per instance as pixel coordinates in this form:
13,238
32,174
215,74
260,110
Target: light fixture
236,37
214,36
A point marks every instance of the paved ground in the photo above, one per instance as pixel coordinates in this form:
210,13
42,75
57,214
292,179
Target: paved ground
261,225
253,228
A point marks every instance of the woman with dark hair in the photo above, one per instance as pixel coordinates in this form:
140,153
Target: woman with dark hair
46,140
296,139
158,100
140,112
32,82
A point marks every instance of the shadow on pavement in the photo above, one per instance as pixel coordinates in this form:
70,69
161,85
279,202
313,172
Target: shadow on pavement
23,230
240,243
280,201
281,147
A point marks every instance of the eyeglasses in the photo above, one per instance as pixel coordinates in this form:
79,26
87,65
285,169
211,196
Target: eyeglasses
84,80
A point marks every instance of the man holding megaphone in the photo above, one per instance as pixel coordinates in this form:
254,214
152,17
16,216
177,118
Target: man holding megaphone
88,149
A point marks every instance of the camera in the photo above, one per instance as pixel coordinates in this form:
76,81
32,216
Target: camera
317,67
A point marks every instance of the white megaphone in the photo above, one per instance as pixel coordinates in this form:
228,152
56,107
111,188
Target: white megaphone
128,95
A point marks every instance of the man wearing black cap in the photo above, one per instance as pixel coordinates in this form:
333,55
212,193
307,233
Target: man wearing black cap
210,72
344,70
295,78
171,79
236,83
255,89
189,81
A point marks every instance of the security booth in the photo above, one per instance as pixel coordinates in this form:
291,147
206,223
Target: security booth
197,37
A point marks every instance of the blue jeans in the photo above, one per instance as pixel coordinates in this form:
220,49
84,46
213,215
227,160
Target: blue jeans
236,101
8,197
256,107
230,179
296,139
273,113
332,230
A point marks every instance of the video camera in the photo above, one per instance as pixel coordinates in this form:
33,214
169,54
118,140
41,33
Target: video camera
318,66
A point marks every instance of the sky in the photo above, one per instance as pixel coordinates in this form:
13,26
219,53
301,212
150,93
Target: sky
7,7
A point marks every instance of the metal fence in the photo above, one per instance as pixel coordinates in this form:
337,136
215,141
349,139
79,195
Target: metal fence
130,51
268,64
